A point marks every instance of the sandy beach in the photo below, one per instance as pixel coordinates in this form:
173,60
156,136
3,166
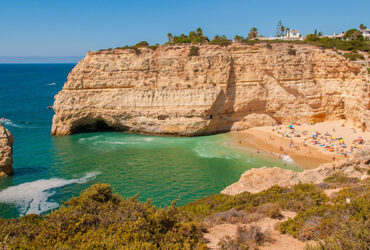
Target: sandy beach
309,145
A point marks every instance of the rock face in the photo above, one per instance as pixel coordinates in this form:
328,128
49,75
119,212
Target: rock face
259,179
166,91
6,151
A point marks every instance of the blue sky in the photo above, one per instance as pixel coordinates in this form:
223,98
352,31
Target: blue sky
73,27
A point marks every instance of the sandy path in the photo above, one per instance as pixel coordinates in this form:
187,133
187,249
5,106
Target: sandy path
268,225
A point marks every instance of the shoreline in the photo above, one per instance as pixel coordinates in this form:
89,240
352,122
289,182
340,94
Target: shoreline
328,141
257,140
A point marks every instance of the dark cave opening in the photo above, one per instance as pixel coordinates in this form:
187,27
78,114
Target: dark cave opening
93,126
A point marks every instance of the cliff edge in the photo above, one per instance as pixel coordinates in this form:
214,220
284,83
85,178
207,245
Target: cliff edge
259,179
6,152
168,91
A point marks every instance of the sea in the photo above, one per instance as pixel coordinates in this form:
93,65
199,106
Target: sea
49,170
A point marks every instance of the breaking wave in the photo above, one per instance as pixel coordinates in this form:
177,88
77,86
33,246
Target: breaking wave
209,150
101,140
82,140
18,124
8,122
32,197
288,159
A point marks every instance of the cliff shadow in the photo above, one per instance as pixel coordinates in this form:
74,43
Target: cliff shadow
218,114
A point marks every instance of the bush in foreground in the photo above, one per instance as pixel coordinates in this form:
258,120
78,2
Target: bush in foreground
341,223
100,219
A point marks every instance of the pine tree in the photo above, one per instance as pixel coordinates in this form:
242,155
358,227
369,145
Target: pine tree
279,28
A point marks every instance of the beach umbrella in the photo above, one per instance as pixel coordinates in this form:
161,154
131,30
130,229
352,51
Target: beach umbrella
290,126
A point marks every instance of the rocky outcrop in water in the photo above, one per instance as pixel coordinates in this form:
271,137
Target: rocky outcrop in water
166,91
6,152
259,179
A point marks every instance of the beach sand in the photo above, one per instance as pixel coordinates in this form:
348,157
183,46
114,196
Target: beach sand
305,150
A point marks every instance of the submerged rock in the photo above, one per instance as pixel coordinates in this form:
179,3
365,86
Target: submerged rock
166,91
6,152
259,179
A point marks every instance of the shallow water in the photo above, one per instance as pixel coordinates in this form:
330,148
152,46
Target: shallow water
50,170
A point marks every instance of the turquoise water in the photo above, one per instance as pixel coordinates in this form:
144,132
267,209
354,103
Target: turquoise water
49,170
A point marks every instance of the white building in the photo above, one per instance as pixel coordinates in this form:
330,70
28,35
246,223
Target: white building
366,33
293,34
337,36
290,35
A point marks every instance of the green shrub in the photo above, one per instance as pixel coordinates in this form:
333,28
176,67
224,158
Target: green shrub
353,34
141,44
193,37
346,214
298,198
354,56
98,218
340,178
312,38
220,40
269,46
153,47
292,52
101,219
349,235
194,51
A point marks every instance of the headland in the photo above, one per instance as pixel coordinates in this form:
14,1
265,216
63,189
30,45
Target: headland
170,91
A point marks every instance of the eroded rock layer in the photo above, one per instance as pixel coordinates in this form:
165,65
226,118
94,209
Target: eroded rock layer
259,179
166,91
6,152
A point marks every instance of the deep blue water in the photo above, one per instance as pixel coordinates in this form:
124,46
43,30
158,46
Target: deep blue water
49,170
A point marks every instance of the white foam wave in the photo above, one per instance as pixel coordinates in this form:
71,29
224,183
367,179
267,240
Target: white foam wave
82,140
51,84
100,140
210,151
288,159
8,122
32,197
149,139
113,142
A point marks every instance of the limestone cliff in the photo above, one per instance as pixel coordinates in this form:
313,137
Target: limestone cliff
166,91
6,151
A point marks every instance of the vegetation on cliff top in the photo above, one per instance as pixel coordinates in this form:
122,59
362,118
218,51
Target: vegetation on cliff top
101,219
353,42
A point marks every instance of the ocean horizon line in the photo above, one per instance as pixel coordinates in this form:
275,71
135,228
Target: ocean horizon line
39,59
